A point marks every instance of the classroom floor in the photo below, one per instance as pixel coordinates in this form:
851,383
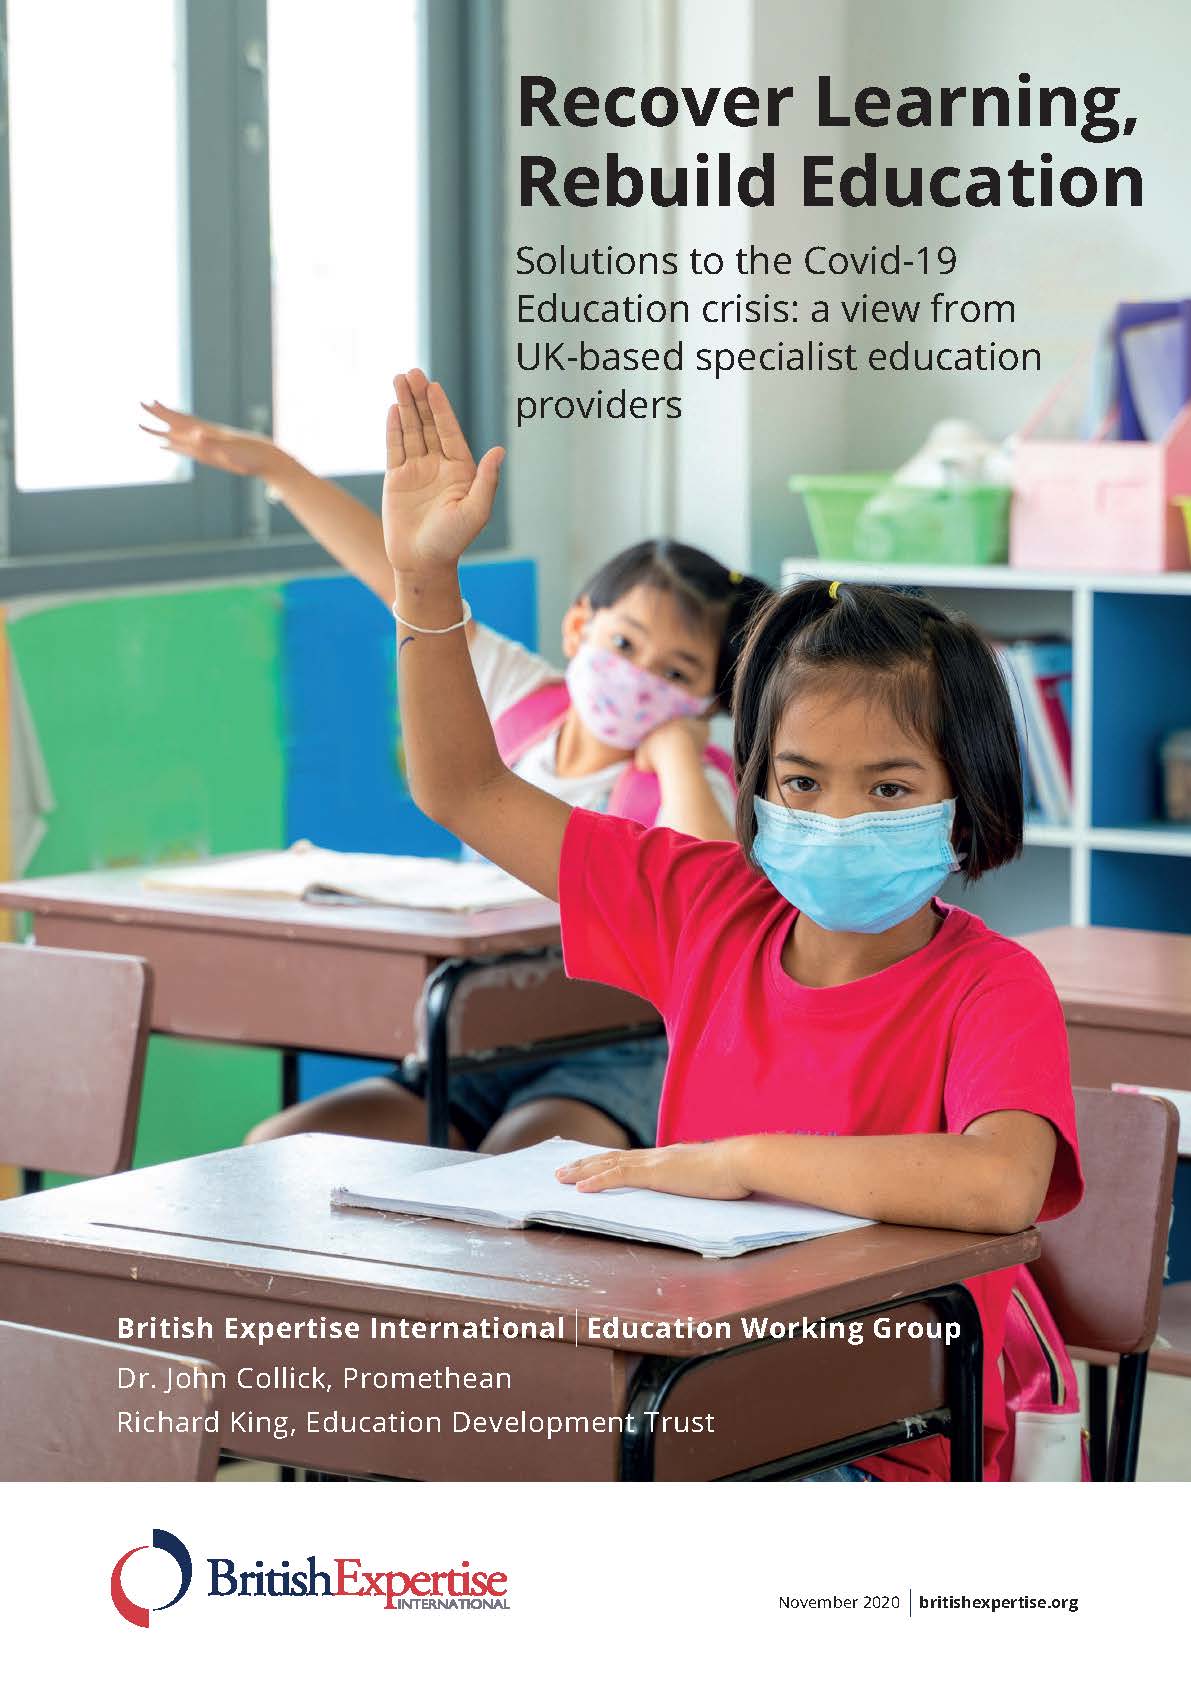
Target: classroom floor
1165,1434
1166,1429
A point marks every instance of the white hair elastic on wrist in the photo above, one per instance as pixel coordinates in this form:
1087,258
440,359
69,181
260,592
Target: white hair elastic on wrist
435,631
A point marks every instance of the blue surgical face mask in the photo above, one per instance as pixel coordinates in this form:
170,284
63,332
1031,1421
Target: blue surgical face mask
863,874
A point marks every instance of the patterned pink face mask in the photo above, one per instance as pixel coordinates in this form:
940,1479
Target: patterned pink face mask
620,703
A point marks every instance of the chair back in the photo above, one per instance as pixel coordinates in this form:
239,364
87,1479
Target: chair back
73,1032
1101,1265
58,1398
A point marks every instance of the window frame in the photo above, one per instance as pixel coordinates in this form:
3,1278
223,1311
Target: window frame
213,525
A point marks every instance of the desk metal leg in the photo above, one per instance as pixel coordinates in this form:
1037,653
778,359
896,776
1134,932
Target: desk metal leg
965,1383
961,1419
1126,1417
289,1078
1097,1419
437,1002
440,991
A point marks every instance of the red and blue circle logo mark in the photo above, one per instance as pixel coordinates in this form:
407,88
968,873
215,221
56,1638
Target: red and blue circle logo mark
133,1611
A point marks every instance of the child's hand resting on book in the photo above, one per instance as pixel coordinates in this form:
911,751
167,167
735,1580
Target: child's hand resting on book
436,498
699,1171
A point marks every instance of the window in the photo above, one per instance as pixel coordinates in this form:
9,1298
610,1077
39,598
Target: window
96,272
223,204
344,190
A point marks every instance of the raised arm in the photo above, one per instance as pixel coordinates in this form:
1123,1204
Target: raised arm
436,502
346,528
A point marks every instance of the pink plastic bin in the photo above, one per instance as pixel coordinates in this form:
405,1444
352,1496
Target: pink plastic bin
1099,506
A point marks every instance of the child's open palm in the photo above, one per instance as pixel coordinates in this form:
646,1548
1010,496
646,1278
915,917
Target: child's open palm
436,498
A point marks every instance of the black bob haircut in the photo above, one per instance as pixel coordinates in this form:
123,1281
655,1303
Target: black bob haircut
933,670
710,597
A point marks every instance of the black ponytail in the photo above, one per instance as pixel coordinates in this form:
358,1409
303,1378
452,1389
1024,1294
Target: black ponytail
750,597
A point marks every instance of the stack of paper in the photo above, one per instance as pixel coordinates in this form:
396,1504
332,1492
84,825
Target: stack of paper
517,1188
305,872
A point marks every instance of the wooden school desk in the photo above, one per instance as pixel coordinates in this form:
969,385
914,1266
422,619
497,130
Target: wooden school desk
250,1233
1126,996
338,979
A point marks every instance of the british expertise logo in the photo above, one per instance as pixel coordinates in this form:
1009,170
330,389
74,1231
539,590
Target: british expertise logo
123,1603
461,1585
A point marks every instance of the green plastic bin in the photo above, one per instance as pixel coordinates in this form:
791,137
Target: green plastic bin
866,517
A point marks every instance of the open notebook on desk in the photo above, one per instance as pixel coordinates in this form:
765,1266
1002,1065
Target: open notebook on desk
516,1189
304,872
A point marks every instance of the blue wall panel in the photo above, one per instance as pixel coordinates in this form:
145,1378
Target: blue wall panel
1142,891
1141,648
345,786
1178,1251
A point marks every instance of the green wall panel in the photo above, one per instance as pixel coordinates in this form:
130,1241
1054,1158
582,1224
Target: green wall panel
159,718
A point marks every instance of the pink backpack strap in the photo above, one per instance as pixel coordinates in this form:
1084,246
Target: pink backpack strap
722,762
637,795
519,727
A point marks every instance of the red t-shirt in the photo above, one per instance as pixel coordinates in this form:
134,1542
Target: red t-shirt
967,1025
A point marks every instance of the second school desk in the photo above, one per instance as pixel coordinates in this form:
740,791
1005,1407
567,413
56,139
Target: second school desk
251,1234
1126,997
338,979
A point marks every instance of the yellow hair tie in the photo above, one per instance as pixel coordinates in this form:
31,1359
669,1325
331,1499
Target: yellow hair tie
735,578
833,590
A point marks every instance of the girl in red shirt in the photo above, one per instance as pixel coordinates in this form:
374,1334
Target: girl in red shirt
651,640
838,1035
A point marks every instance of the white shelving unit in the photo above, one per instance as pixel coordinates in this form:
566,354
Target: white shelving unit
1117,863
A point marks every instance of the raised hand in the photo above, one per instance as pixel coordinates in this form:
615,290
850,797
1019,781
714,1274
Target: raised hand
436,499
215,446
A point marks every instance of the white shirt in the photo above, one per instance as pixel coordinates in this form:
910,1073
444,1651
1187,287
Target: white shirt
506,672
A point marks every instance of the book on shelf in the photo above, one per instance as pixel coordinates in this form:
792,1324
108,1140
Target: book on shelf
1013,685
515,1189
1151,365
1038,676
